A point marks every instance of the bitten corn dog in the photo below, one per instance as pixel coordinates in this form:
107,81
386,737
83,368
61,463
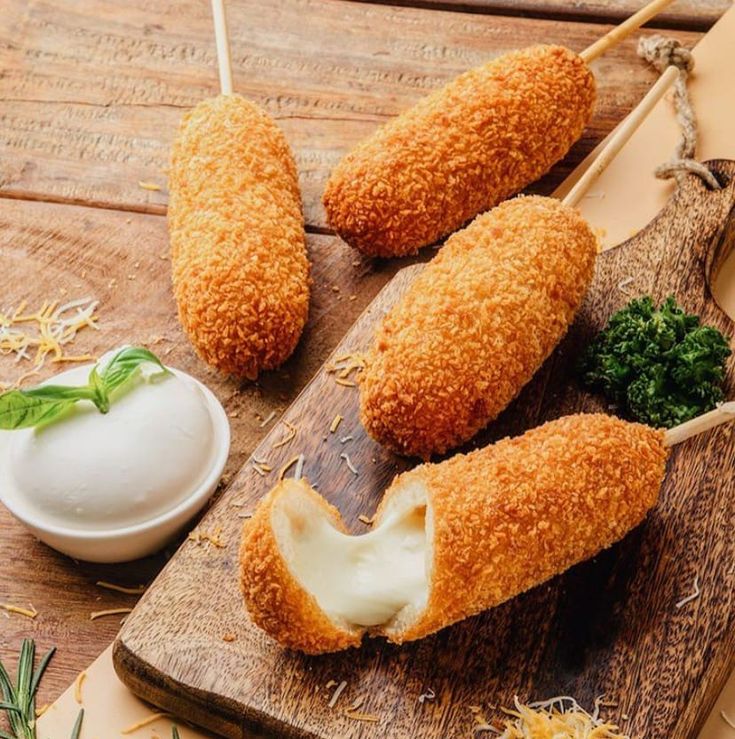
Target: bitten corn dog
240,271
451,539
476,325
461,150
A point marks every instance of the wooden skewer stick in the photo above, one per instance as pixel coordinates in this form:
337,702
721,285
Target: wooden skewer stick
614,37
621,136
722,414
222,40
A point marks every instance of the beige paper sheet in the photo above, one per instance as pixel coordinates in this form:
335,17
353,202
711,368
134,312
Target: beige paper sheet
625,198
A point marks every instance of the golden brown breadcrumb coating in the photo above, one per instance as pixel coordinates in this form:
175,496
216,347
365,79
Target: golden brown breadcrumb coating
476,325
240,271
503,519
461,150
276,602
514,514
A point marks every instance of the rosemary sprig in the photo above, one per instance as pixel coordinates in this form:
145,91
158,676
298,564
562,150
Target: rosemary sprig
77,730
19,700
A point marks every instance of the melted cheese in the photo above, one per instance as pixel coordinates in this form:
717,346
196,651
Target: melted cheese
364,580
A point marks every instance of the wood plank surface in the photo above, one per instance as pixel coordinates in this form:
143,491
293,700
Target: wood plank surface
686,14
50,251
92,100
608,626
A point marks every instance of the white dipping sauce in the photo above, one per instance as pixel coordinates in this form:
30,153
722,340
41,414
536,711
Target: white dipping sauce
96,471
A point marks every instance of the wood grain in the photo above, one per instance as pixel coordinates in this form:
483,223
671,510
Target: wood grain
607,626
92,100
120,258
689,14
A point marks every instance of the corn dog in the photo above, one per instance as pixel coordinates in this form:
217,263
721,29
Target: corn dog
461,150
476,325
451,539
240,271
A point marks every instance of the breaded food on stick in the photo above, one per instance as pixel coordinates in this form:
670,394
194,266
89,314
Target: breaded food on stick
449,540
461,150
238,246
476,325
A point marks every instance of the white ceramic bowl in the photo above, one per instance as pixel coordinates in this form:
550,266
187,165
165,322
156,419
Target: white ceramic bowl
140,539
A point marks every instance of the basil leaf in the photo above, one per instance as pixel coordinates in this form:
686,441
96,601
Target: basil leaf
101,395
124,365
20,410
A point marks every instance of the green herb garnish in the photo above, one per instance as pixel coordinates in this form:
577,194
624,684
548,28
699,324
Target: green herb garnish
19,700
660,366
26,408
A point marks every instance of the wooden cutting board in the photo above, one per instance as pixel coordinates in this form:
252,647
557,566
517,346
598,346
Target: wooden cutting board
608,626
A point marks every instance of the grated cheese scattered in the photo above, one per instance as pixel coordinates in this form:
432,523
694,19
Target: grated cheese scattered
367,521
345,383
148,186
299,471
727,719
286,467
81,677
429,695
337,692
145,722
558,718
267,420
27,612
110,612
623,284
137,590
692,596
362,717
36,336
335,423
289,437
345,439
202,537
351,467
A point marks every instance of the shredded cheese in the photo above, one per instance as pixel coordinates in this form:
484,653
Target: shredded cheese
145,722
137,590
148,186
109,612
335,423
558,718
337,692
367,521
36,336
27,612
206,537
81,677
692,596
286,467
351,467
268,419
429,695
289,437
727,719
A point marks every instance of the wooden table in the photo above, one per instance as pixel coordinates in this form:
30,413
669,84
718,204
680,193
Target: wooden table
91,94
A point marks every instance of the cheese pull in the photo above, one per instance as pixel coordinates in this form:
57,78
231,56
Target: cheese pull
461,150
449,540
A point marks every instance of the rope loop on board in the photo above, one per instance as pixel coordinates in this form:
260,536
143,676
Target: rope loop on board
661,52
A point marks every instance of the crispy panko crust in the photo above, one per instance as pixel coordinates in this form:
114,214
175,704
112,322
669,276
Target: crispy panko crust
476,325
276,602
512,515
240,270
461,150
